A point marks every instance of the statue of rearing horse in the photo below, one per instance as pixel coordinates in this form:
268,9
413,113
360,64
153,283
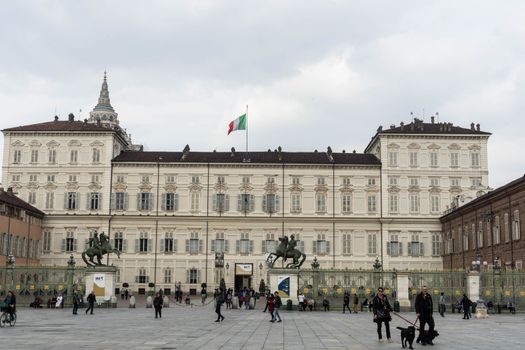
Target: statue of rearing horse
99,247
285,250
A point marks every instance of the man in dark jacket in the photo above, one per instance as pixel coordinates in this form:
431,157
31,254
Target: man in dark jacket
76,301
157,304
91,298
346,302
424,308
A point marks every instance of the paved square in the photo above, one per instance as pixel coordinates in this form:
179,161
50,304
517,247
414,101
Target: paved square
194,328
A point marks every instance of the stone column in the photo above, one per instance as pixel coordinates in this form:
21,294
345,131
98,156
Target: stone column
473,280
402,290
70,277
9,273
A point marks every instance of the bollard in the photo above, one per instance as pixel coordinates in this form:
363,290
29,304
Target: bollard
166,301
132,302
149,302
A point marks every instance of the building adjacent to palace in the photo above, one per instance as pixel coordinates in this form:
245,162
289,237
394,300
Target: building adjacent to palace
486,233
170,212
20,229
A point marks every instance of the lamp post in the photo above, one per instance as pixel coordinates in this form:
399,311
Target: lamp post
377,271
496,273
315,277
10,266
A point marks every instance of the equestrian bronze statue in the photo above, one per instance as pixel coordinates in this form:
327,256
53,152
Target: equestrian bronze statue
99,245
286,250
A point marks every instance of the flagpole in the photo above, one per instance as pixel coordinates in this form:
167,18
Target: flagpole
246,132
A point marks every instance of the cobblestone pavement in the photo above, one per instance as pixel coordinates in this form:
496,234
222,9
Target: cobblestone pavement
184,327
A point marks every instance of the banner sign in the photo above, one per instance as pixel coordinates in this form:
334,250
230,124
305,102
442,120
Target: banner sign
283,286
243,269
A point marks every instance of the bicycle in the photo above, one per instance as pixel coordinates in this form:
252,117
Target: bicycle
5,318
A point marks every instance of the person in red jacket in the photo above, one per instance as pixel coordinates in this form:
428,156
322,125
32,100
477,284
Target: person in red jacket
271,306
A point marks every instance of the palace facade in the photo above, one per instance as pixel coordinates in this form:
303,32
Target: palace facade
171,212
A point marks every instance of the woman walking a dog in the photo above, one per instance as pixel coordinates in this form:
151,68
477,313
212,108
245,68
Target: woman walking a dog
382,309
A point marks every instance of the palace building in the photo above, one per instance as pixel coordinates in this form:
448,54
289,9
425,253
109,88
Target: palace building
171,212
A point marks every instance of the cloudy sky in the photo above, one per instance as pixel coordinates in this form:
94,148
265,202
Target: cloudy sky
314,73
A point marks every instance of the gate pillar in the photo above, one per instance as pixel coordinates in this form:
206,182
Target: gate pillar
402,290
473,285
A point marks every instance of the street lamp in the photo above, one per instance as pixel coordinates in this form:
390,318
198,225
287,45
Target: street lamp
377,265
476,264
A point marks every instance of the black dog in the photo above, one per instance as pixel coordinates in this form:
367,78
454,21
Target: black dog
426,337
407,336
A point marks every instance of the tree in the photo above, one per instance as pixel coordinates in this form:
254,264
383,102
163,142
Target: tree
262,287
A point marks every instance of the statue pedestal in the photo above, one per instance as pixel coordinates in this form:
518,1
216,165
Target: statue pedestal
101,280
473,280
286,281
402,291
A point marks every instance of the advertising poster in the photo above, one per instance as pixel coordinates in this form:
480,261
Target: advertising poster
99,285
283,286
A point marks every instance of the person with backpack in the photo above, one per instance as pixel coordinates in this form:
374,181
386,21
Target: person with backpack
278,304
271,306
346,302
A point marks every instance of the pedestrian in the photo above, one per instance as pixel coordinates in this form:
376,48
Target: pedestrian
204,295
356,302
218,303
465,304
424,308
76,302
58,303
126,294
301,300
267,296
157,304
229,299
91,302
442,304
381,308
346,302
271,306
326,304
240,295
278,304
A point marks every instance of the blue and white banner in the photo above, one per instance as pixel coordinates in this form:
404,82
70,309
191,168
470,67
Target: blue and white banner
283,286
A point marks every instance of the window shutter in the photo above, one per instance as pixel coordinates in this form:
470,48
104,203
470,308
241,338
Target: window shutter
162,245
200,245
187,246
252,203
150,201
388,250
421,251
237,246
263,245
150,245
136,279
147,279
264,203
126,201
226,246
113,201
163,202
327,247
226,202
138,201
63,245
212,245
99,200
198,276
409,248
75,245
400,244
187,276
314,247
88,197
277,203
65,201
77,200
124,245
251,246
214,202
137,246
239,202
175,201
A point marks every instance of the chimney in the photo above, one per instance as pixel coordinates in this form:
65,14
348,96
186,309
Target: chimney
432,119
56,118
71,117
477,127
10,191
471,126
402,125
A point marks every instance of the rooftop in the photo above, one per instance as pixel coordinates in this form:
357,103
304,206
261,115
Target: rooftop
10,198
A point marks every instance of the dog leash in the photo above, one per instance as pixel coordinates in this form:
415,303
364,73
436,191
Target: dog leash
404,319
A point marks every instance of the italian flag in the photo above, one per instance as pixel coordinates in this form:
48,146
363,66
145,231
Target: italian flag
237,124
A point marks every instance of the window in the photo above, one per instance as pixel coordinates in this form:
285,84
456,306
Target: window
496,231
46,242
516,234
414,181
392,158
245,180
434,182
192,276
71,201
245,202
347,244
195,180
33,178
193,245
412,156
167,276
194,201
300,244
17,156
144,179
454,159
15,178
34,156
371,181
244,245
434,203
72,178
320,202
270,180
221,202
270,203
455,182
166,245
321,181
321,246
219,245
144,201
50,200
394,247
119,241
95,179
506,227
346,203
372,243
268,245
50,178
295,202
415,248
31,198
393,181
52,156
371,201
143,243
465,240
96,155
142,277
347,181
414,202
393,200
170,179
436,244
474,159
73,156
121,179
475,182
120,201
433,159
94,200
170,201
480,234
221,180
70,242
296,180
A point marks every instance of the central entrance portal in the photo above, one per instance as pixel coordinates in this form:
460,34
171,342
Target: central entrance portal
243,276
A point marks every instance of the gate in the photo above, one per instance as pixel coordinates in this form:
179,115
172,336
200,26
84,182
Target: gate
452,284
500,287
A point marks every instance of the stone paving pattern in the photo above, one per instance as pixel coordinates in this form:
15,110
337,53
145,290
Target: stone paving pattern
183,327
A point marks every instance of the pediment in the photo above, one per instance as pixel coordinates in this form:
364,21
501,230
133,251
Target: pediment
393,146
52,144
414,145
35,143
96,143
434,146
17,143
474,148
454,146
76,143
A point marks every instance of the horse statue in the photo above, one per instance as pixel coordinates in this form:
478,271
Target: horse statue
286,249
99,247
